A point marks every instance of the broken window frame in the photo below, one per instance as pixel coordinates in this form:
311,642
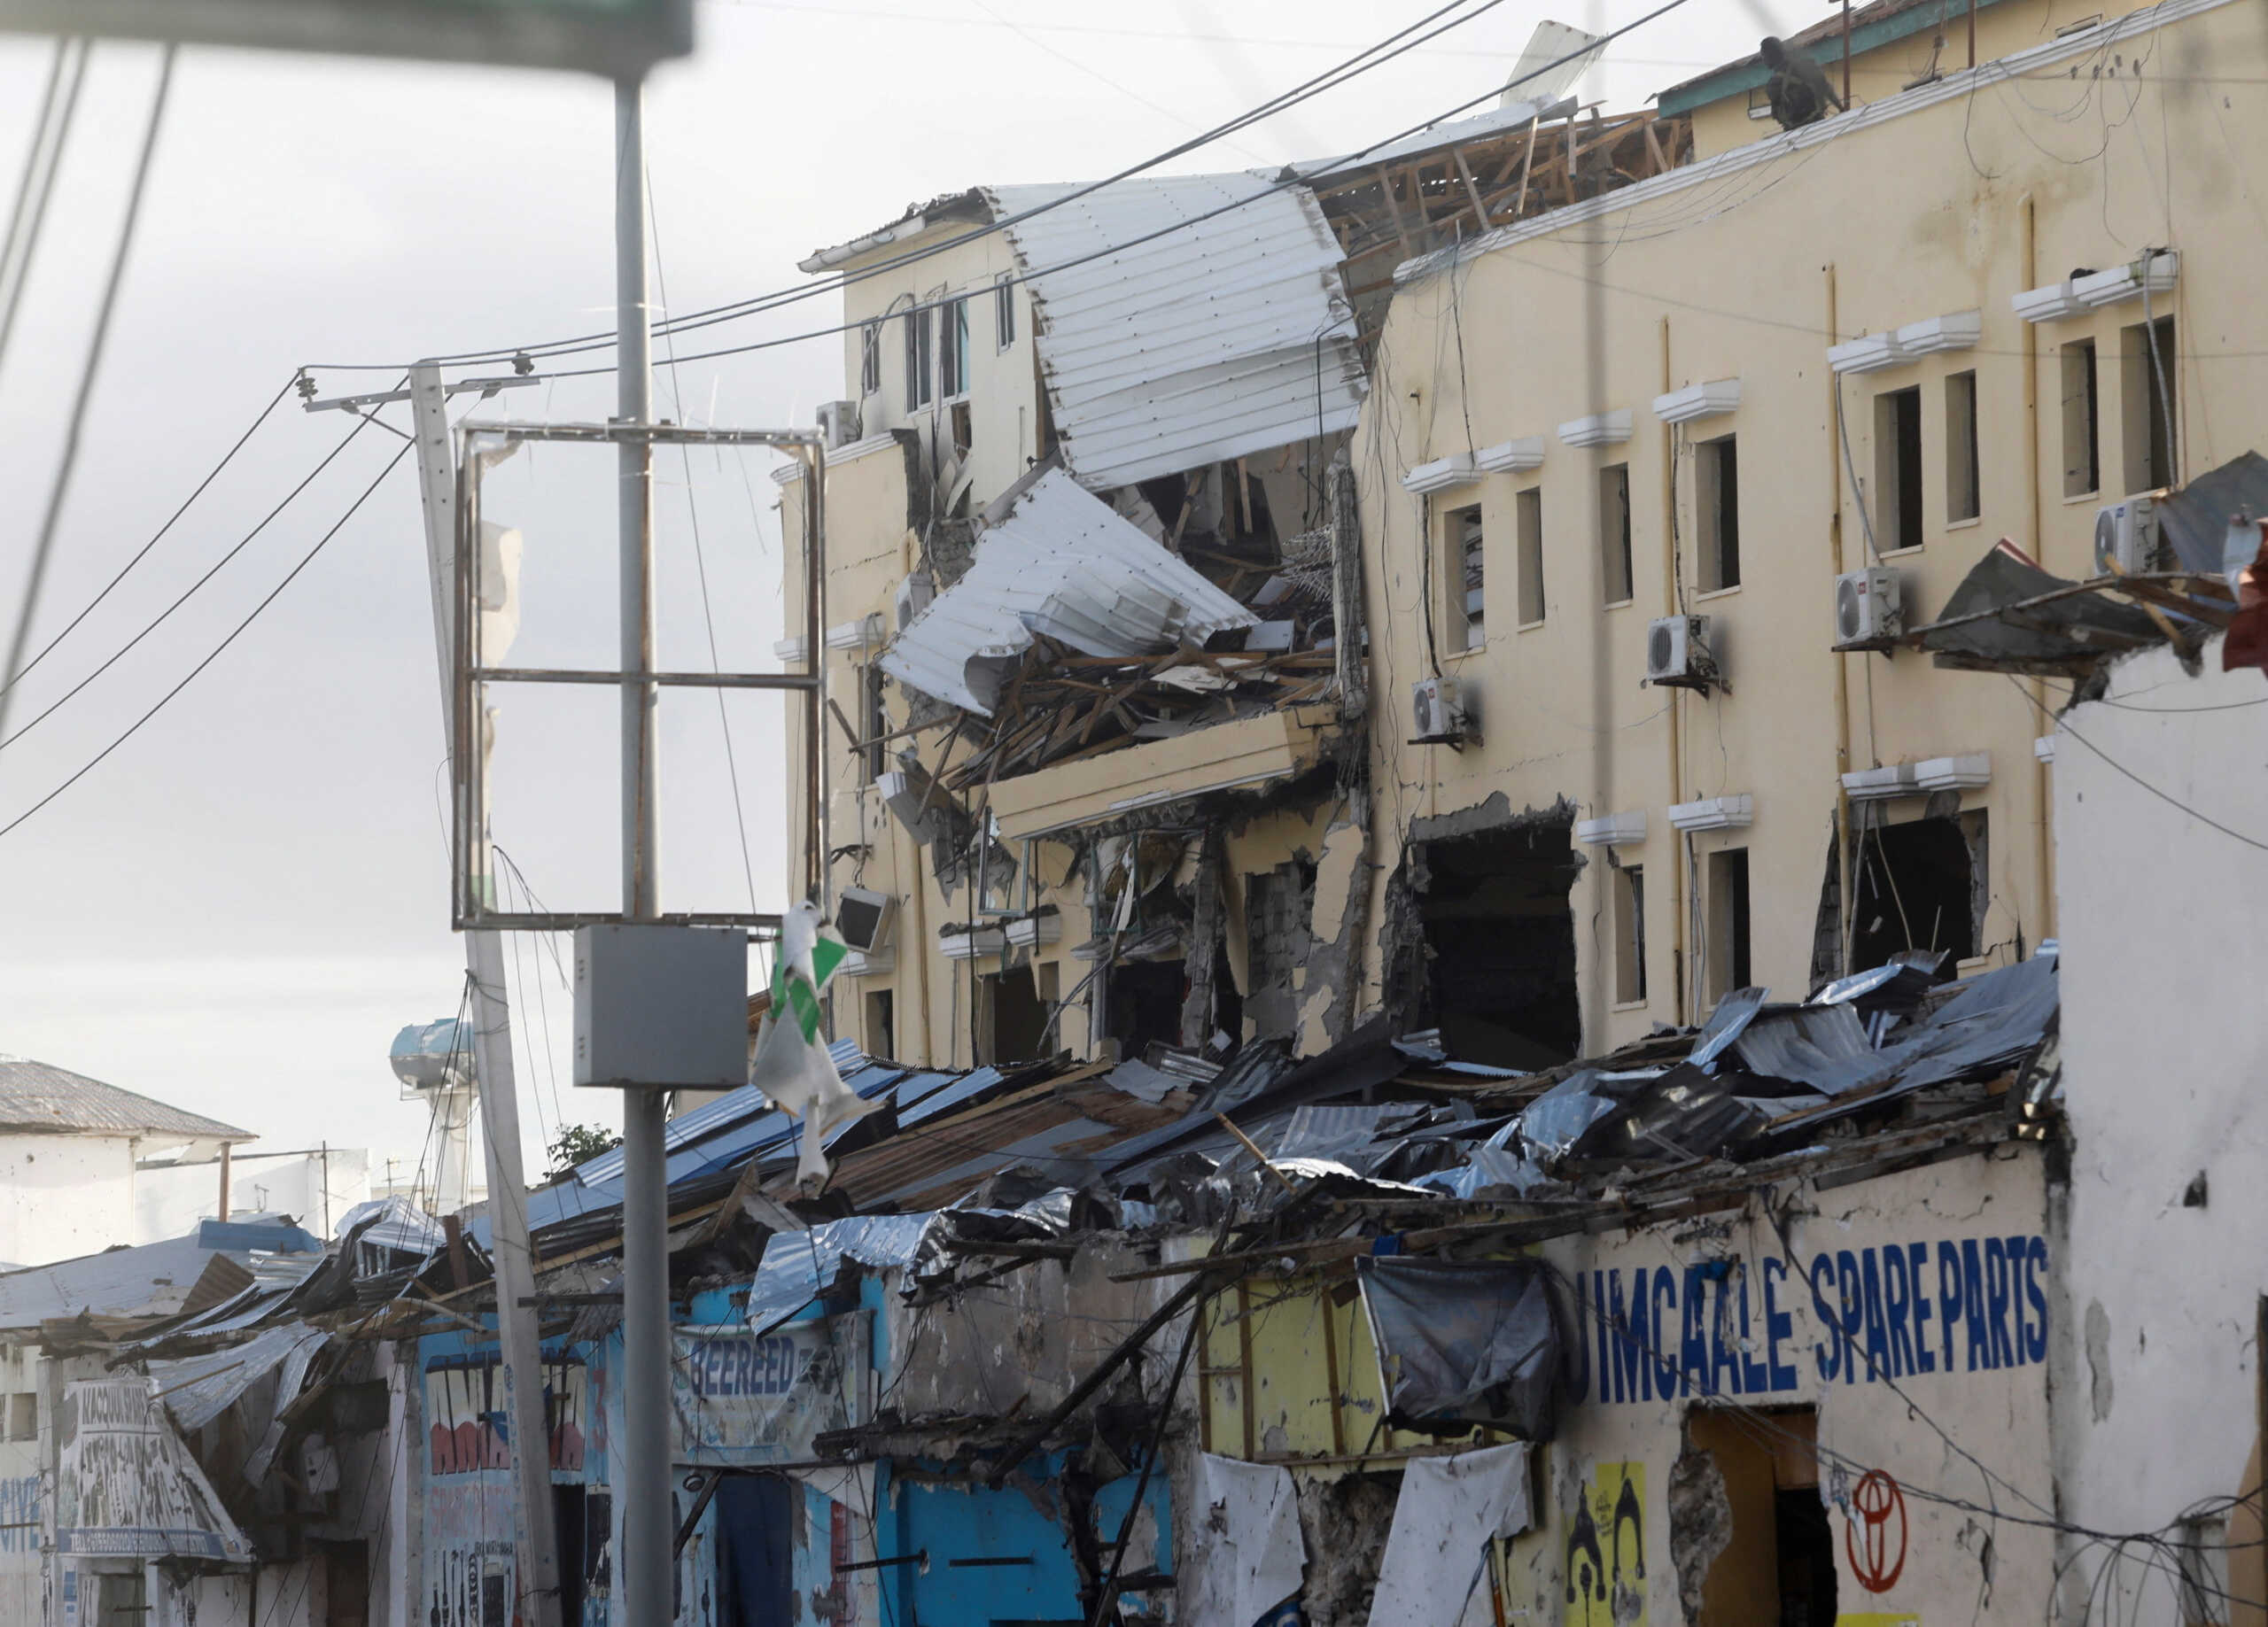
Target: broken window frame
1618,568
1731,921
1003,310
880,1023
1964,474
1628,882
1898,469
1527,530
873,723
2146,423
953,352
870,358
920,360
1464,533
2082,402
1716,502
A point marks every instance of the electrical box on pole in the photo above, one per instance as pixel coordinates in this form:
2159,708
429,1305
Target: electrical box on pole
661,1008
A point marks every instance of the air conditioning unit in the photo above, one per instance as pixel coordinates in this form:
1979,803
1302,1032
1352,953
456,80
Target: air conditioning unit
914,595
1869,605
838,420
863,918
2126,536
1678,653
1437,706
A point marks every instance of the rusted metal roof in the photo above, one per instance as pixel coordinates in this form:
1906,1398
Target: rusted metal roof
1204,320
38,1096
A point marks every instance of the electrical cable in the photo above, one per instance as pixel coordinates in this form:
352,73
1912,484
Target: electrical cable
43,549
305,561
755,304
187,593
2064,726
49,133
143,551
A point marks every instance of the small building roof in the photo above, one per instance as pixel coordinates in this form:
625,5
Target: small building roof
40,1098
1882,23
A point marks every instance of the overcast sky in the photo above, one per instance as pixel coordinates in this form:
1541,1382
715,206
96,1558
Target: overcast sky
238,908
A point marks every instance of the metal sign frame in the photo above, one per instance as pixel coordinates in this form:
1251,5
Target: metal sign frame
472,874
619,39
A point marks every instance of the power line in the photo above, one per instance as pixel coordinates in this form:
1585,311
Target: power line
131,729
2064,727
1386,51
187,593
214,473
44,548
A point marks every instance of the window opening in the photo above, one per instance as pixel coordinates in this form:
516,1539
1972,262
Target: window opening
1278,905
1728,922
1915,886
953,361
1778,1564
2082,459
23,1415
1144,1008
1716,474
1614,531
2149,412
870,358
873,723
1499,917
1964,491
1629,884
1010,1018
1003,310
882,1023
918,359
1528,522
1898,467
1467,562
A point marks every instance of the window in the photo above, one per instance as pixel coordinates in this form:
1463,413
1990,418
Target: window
1917,885
1964,497
1629,884
1614,531
1716,493
1012,1024
882,1023
918,360
2082,462
2150,388
953,361
1898,469
873,723
23,1415
1003,310
870,359
1529,523
1466,562
2203,1558
1729,966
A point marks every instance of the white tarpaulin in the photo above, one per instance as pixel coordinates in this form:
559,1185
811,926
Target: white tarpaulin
1248,1556
1448,1510
127,1485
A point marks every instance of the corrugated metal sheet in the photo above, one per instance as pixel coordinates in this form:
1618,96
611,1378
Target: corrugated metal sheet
1225,337
1062,562
36,1096
153,1280
199,1389
1479,127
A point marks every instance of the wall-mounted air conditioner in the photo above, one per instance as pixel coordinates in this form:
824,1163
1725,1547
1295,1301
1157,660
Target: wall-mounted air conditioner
1678,653
1869,607
863,918
914,595
838,420
1437,711
2126,536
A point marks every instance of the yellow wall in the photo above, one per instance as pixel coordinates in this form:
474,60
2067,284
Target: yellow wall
1751,275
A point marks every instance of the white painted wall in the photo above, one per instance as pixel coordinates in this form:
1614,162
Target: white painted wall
64,1195
2163,1033
170,1200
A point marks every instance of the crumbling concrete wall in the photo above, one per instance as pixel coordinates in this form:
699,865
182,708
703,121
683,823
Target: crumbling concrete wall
1344,1519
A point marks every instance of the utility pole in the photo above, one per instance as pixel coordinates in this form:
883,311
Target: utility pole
534,1541
643,1495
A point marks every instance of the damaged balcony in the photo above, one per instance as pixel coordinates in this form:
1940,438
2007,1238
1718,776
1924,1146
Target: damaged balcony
1127,661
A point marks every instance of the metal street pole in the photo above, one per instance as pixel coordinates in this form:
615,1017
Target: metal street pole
643,1495
535,1542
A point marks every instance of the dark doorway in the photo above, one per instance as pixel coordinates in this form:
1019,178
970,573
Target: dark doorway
756,1581
1499,921
1013,1020
1146,1005
570,1519
347,1583
1778,1567
1914,888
